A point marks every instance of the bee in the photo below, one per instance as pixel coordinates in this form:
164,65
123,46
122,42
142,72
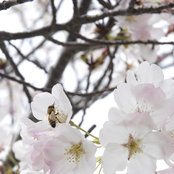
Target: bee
52,118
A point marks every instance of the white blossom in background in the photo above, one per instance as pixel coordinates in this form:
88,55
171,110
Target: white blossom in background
69,152
20,151
169,170
134,140
5,141
29,171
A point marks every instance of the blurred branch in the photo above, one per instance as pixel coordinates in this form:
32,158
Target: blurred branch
66,55
7,4
131,5
106,5
121,42
53,12
88,19
4,50
90,130
75,9
24,83
44,31
36,62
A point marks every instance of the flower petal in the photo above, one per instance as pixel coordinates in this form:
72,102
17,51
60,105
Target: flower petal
114,158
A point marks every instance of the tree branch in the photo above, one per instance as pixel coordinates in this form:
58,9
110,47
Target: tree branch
7,4
89,19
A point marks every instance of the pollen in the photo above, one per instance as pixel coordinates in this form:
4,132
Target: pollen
130,19
134,145
142,107
171,133
74,152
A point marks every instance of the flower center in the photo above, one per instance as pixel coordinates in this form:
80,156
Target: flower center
142,107
55,114
134,145
74,153
60,115
130,19
171,133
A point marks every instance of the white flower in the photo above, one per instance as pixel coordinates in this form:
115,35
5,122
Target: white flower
5,141
144,98
153,74
133,140
20,151
69,152
58,100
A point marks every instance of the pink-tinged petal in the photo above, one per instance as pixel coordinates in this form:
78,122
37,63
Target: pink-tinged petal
54,149
148,53
124,97
40,104
35,159
60,97
116,115
142,164
169,170
162,111
149,94
140,124
131,78
157,33
40,129
29,171
62,167
147,73
85,166
69,133
168,87
89,147
115,158
158,144
113,132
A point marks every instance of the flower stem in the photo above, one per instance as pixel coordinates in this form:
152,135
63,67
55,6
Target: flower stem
73,124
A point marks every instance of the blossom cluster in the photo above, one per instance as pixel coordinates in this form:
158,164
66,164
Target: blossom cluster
139,131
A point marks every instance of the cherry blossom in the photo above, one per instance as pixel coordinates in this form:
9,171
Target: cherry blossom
169,170
5,141
58,100
29,171
153,74
134,140
69,152
20,151
144,98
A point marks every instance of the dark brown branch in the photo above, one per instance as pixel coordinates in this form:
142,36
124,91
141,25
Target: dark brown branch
53,12
7,4
91,93
131,5
24,83
121,42
4,50
79,46
66,55
106,5
45,31
89,19
36,62
75,9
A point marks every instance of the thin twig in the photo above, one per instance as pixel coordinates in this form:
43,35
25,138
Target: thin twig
7,4
24,83
4,50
